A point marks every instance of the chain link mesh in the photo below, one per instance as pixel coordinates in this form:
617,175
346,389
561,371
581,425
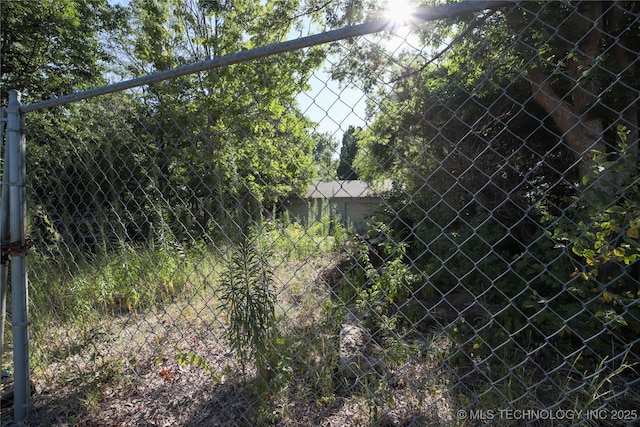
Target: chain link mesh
431,241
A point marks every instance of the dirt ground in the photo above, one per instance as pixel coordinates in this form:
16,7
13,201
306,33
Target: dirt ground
173,367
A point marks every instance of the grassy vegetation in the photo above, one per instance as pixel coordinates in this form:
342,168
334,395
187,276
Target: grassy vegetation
109,282
105,325
79,302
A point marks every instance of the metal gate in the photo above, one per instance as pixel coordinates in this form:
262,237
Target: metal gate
184,269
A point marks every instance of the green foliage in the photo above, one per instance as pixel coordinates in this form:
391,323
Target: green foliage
247,298
475,174
390,283
376,289
603,233
323,152
609,230
295,241
129,280
348,151
188,358
612,236
52,47
221,147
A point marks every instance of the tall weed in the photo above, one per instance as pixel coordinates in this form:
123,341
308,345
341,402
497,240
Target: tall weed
293,240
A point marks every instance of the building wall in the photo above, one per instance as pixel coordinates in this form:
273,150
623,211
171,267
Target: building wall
352,211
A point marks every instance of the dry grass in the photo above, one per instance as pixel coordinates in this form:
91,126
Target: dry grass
172,367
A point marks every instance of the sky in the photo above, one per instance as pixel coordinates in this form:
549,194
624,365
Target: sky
335,107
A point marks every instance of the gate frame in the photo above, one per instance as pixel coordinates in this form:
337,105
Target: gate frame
13,226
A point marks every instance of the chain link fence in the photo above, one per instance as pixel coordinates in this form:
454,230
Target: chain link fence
440,229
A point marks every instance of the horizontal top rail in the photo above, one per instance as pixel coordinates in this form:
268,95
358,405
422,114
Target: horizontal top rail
423,14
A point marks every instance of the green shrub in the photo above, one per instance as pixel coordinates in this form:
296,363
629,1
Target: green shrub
247,299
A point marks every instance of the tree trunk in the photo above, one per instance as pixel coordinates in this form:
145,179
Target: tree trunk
582,131
581,134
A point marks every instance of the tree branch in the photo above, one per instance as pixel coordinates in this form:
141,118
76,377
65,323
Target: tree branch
562,112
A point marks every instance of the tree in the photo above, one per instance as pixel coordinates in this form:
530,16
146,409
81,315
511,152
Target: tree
519,121
48,49
460,117
198,153
52,47
234,135
348,152
596,50
323,152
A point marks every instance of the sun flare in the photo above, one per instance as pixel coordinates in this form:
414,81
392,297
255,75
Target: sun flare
398,12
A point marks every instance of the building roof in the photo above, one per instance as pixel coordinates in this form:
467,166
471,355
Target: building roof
341,189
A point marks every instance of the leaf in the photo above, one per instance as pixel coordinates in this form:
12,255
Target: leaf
606,297
619,252
167,374
634,230
616,209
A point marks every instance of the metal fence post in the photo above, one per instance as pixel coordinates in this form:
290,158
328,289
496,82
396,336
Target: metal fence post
15,163
4,239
